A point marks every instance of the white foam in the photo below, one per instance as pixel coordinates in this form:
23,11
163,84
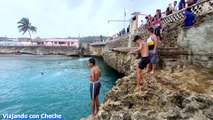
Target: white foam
83,59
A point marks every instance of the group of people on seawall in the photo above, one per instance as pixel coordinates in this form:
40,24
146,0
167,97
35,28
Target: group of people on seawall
155,21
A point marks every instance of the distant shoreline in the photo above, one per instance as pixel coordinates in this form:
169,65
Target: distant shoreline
100,57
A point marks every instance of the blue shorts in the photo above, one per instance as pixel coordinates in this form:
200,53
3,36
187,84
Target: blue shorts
95,89
153,57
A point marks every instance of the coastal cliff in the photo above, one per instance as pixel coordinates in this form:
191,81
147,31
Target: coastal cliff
186,94
181,89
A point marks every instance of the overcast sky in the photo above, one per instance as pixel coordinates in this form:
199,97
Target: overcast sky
63,18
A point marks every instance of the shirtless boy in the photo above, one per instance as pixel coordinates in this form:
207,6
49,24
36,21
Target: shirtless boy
95,85
144,51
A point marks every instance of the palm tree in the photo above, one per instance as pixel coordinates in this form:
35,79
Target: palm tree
25,26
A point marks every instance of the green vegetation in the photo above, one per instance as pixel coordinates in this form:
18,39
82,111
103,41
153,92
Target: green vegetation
24,26
92,38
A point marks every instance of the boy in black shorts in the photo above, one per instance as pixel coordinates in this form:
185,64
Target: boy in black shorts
144,51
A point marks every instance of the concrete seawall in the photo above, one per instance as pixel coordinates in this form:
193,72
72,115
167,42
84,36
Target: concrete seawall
39,50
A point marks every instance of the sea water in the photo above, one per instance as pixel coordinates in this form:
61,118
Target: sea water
49,85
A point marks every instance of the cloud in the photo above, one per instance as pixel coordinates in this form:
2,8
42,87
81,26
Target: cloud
63,18
74,3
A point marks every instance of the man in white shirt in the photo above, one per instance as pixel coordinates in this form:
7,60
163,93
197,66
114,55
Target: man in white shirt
175,7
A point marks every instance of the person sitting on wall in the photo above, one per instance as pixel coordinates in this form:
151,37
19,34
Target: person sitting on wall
158,13
191,2
175,7
123,31
142,24
169,9
189,18
148,21
182,4
128,29
151,19
157,27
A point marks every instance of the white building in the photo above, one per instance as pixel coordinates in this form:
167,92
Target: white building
61,42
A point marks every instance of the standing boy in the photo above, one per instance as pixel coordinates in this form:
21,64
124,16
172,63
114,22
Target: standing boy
95,86
152,45
143,50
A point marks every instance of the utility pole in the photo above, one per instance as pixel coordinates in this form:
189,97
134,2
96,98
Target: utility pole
124,17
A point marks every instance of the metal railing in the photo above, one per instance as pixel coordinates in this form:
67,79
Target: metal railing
198,9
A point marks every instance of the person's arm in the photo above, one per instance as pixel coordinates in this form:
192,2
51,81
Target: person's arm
136,50
194,20
184,19
154,38
92,76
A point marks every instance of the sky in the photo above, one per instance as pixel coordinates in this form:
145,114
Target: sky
63,18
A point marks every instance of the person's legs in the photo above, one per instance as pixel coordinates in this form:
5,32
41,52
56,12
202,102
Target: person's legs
97,91
154,62
92,93
140,78
158,33
147,68
153,69
135,65
148,65
93,107
158,38
138,75
143,80
96,104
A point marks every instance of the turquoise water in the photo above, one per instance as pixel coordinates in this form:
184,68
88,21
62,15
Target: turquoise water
35,85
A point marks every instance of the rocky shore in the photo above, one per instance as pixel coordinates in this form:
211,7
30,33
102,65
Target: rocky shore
186,94
39,50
